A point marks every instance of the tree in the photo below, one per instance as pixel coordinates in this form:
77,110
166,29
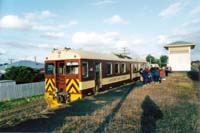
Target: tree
163,60
22,74
151,59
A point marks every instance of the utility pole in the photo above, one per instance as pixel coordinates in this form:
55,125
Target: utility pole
11,60
125,51
35,58
150,61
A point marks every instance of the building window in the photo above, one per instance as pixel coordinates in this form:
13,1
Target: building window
116,68
49,68
72,68
108,69
84,69
123,68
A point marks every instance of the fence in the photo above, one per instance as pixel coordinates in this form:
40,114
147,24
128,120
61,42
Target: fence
12,91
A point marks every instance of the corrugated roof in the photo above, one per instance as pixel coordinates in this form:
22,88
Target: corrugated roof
179,44
62,54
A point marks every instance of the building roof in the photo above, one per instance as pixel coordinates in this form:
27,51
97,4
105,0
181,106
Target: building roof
180,44
62,54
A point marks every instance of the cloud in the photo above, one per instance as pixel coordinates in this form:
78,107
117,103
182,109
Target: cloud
27,21
72,23
13,44
172,10
93,38
193,23
115,19
163,39
113,42
54,35
34,21
48,46
47,13
195,11
39,15
12,21
2,51
41,27
103,2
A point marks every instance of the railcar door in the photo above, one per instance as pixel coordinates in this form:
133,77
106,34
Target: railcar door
60,75
131,70
98,76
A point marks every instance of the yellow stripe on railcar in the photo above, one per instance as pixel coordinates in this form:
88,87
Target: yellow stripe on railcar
73,89
50,92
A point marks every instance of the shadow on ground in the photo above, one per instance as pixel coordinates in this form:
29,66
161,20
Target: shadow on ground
49,122
194,75
151,113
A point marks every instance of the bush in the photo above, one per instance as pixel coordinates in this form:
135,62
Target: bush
23,74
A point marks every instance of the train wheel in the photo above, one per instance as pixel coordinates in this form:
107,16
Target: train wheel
95,90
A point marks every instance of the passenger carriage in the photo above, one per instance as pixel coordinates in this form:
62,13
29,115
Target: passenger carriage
72,74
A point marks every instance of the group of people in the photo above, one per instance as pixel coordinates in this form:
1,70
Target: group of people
154,74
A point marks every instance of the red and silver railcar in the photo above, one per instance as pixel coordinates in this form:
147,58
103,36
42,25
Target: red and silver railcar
72,74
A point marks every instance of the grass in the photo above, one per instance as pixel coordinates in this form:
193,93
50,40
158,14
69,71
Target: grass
11,104
175,97
171,106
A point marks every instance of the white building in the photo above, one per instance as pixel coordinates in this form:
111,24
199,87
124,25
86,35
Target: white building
179,53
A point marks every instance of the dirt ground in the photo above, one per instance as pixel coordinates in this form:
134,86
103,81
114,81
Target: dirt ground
197,84
172,106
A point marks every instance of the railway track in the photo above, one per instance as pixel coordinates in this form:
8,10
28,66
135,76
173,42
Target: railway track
15,116
100,119
31,115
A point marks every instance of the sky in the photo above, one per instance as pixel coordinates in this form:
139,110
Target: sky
32,28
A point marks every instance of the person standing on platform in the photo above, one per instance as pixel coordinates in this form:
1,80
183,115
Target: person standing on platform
164,73
157,75
161,74
145,76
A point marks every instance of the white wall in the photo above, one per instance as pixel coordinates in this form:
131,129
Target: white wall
179,59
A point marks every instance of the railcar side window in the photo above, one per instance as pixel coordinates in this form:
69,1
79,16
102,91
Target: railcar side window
108,69
139,66
116,68
49,68
123,68
135,68
72,68
85,69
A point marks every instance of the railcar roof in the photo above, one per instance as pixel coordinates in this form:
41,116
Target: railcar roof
63,54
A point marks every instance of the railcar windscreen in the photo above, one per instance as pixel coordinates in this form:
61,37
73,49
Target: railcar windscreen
61,68
49,68
72,68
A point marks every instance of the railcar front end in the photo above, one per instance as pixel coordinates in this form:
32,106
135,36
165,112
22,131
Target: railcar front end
62,82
